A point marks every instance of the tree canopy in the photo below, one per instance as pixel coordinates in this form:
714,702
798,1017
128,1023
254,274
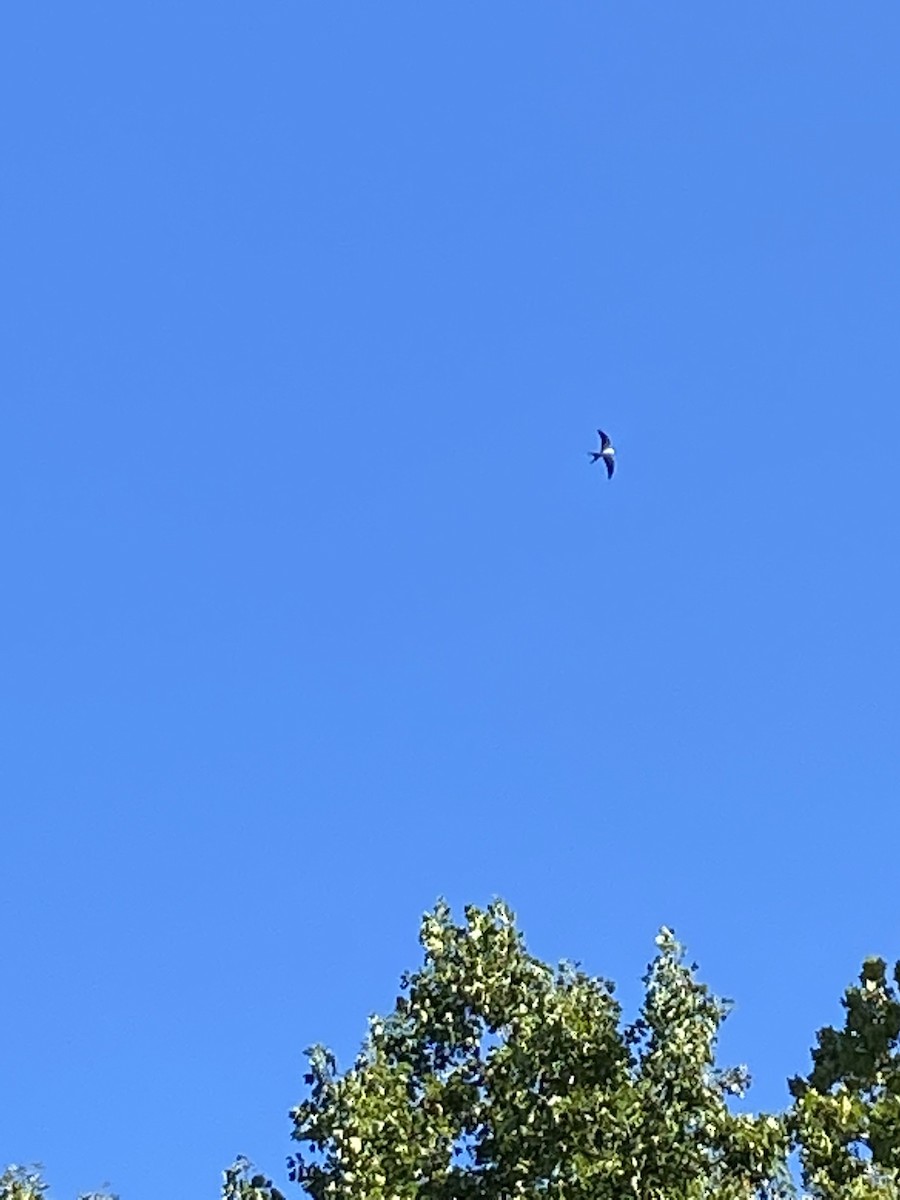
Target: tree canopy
498,1076
846,1116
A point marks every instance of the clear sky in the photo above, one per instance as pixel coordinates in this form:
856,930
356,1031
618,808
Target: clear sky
313,607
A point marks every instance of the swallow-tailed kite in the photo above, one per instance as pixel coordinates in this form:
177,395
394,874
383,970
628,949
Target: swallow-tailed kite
606,452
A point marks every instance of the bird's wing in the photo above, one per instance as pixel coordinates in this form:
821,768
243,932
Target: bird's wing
610,465
604,440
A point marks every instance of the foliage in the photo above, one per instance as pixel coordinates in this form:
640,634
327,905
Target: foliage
497,1076
26,1183
847,1111
240,1182
22,1183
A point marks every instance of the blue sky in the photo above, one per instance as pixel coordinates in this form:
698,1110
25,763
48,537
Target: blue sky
313,607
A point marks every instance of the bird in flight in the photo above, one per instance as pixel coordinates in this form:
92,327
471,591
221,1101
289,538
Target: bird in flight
606,452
